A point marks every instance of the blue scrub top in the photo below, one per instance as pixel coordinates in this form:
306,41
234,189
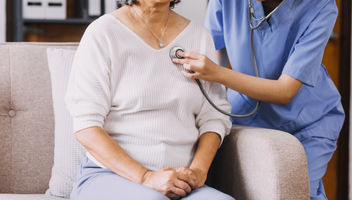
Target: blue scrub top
292,42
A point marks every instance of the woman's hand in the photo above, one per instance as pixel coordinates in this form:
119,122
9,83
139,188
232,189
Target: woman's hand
202,66
167,182
196,173
194,177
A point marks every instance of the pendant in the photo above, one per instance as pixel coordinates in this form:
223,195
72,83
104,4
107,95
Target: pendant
161,44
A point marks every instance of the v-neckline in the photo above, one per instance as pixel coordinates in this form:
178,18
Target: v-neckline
280,15
143,41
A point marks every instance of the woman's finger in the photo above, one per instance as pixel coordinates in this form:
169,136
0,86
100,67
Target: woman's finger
187,177
183,185
183,175
179,192
172,196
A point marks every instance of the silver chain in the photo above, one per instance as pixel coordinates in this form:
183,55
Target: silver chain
161,44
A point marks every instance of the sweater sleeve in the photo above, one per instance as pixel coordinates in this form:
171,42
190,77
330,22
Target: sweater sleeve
209,119
88,96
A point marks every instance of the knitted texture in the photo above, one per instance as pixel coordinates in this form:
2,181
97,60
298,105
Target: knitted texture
139,97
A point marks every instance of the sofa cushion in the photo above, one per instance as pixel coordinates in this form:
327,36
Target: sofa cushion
28,197
258,163
26,117
68,153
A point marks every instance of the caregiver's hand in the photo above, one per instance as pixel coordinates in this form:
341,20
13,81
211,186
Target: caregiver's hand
194,177
203,67
167,183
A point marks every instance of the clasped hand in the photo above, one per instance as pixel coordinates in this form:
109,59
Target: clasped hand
174,183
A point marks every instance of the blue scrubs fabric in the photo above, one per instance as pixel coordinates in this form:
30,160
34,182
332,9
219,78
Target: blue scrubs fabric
292,42
93,182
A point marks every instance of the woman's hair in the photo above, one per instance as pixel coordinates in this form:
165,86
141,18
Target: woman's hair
131,2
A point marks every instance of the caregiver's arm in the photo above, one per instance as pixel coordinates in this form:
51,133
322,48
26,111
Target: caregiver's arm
280,91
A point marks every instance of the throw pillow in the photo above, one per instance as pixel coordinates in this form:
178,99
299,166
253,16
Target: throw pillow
68,153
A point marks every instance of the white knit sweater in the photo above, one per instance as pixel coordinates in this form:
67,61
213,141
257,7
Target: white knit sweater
139,97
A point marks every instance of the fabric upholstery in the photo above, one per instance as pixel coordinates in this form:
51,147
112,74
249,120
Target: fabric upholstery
68,153
257,163
28,197
26,118
253,163
5,120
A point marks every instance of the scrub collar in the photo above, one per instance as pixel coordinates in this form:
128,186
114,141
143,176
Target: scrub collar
285,12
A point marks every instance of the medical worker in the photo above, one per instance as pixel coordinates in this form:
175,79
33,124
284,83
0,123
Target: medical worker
295,91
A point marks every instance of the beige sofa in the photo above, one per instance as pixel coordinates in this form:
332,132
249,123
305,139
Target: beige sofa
253,163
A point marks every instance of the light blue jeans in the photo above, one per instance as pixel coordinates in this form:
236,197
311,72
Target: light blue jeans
95,183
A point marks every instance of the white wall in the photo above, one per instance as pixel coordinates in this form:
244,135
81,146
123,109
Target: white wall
110,6
192,9
2,20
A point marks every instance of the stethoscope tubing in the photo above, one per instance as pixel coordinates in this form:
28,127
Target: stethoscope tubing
251,16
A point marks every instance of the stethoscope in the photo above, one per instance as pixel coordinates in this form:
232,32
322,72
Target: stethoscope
174,54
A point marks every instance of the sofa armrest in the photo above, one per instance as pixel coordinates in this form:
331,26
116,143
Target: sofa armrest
257,163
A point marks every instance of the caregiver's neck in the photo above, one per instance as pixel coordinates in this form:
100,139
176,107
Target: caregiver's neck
270,5
154,14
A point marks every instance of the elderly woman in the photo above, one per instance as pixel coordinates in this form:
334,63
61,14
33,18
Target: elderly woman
148,131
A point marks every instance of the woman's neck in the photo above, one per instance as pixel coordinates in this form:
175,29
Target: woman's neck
154,14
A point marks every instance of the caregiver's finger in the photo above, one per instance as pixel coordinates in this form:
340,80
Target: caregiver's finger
190,75
190,55
192,67
180,61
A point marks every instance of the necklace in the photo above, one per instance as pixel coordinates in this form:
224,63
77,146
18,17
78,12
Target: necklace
160,39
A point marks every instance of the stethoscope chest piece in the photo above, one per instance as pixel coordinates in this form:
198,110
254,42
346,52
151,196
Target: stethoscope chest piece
174,54
174,51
